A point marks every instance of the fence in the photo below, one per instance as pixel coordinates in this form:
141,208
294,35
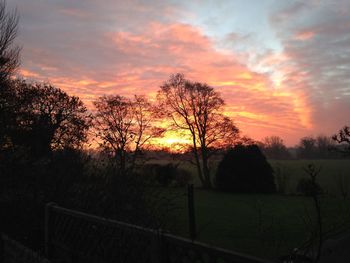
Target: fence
13,252
73,236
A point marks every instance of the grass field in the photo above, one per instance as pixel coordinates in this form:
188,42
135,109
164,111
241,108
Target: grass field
266,225
332,171
263,225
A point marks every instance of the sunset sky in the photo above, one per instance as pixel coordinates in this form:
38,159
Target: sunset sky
283,67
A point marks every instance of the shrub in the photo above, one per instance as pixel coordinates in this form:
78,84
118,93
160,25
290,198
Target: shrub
168,174
306,187
165,174
244,169
182,177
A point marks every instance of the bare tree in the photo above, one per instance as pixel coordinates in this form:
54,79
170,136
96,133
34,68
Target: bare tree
196,108
275,148
343,137
124,126
306,148
9,62
325,145
9,55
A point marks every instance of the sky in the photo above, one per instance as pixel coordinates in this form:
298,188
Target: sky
282,67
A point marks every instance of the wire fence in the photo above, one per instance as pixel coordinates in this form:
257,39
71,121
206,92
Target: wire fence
73,236
12,251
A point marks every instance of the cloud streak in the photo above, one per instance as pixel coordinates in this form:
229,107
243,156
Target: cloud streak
316,41
131,47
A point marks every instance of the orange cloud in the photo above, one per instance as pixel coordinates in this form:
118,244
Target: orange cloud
304,35
140,61
28,74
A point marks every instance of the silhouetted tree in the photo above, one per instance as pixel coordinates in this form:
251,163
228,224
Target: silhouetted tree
343,137
244,169
320,147
196,109
47,118
9,62
306,148
9,54
64,174
325,146
167,174
274,148
124,127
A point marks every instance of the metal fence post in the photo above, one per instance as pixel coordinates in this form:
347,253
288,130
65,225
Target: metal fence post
48,230
2,249
157,253
191,214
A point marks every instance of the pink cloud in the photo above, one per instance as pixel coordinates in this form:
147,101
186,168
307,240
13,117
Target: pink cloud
129,62
304,35
316,62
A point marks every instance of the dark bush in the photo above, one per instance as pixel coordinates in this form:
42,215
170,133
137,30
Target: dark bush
182,177
244,169
308,188
162,174
167,174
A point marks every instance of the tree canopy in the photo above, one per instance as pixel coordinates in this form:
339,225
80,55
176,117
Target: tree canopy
274,148
196,109
9,62
46,118
343,137
124,127
244,169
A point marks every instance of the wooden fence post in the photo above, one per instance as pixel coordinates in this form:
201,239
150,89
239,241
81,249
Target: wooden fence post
48,230
191,214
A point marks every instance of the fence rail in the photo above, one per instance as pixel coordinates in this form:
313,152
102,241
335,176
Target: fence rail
74,236
12,251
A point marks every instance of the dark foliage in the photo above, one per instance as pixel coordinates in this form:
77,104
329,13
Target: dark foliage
39,119
75,180
343,138
320,147
48,119
244,169
9,62
273,147
30,185
183,177
168,174
124,127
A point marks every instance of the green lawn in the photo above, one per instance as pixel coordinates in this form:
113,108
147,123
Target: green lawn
331,172
261,225
266,225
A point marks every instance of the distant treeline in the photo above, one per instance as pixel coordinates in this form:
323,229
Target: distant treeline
319,147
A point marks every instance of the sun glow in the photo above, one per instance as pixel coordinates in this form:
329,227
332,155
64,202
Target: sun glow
172,141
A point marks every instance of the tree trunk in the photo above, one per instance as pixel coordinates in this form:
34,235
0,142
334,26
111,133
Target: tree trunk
198,163
122,162
206,172
199,168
